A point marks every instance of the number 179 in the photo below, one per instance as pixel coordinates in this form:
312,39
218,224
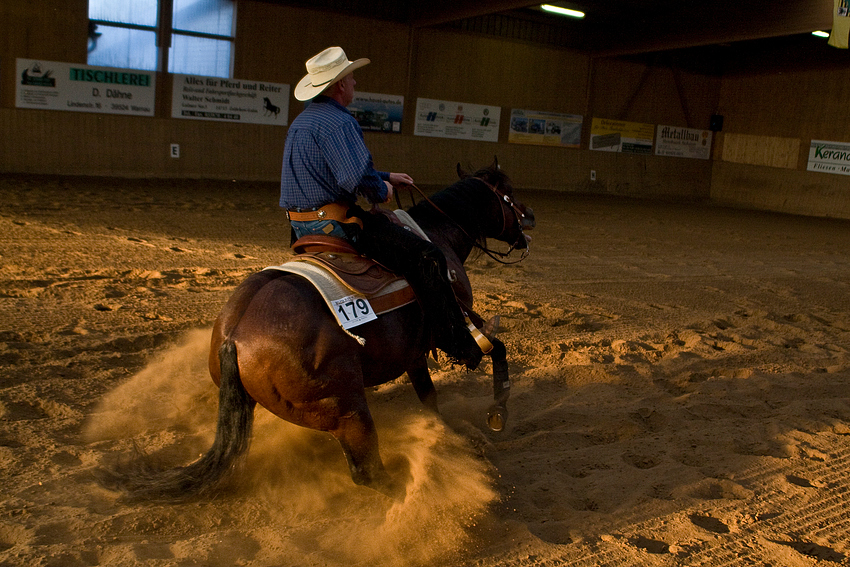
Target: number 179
358,308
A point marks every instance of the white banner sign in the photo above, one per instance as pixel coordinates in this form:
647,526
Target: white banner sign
82,88
378,112
545,128
446,119
229,100
682,142
829,157
619,136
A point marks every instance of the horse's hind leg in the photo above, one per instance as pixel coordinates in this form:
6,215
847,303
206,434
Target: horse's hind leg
358,437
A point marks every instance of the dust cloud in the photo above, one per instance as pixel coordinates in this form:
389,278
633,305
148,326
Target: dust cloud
173,391
298,479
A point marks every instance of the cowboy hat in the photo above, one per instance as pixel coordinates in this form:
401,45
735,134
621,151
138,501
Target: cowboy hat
325,69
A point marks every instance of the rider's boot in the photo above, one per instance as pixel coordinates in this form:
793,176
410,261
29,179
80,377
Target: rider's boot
449,323
424,266
456,341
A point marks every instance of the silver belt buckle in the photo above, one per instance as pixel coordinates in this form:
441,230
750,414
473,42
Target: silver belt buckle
321,214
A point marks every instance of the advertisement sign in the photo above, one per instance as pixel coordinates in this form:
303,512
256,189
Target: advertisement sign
840,33
447,119
682,142
618,136
49,85
829,157
229,100
377,112
545,128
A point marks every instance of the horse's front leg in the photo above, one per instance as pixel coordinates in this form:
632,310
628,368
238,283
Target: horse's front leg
497,415
420,377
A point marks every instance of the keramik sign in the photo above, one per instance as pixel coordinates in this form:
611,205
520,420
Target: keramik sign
829,157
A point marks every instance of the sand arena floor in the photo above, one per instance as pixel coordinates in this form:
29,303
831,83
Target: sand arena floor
681,385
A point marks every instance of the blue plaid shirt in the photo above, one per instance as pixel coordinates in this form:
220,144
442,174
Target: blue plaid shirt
325,160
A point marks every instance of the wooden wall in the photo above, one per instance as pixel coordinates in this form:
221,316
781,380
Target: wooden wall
790,94
273,42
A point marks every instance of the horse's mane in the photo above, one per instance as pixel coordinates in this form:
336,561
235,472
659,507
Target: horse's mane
462,200
495,177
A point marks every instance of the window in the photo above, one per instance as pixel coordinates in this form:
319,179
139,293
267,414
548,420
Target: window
193,37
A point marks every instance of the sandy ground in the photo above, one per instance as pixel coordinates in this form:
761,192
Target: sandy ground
680,394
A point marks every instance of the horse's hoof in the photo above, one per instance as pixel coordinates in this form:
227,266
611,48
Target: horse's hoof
392,490
497,417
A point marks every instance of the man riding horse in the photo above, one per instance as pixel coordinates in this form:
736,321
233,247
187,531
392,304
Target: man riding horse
326,166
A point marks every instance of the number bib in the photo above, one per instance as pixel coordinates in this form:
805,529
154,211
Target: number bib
353,310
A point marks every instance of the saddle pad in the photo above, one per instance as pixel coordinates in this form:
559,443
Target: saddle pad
408,221
397,294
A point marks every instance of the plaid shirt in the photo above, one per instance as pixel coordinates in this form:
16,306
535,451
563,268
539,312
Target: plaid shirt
325,160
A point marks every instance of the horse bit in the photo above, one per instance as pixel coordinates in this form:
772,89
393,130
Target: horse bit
519,215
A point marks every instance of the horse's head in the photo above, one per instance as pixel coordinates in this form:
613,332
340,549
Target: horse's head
515,217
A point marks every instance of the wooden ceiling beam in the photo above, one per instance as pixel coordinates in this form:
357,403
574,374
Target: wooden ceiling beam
732,22
436,12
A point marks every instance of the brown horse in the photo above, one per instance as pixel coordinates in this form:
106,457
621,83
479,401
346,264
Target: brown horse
277,344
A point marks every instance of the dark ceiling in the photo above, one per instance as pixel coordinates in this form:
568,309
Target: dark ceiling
610,27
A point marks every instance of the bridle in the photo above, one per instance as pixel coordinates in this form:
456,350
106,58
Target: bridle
507,206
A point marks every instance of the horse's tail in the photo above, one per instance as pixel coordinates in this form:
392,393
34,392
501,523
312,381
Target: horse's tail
141,481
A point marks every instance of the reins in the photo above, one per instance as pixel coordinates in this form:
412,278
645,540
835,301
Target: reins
501,197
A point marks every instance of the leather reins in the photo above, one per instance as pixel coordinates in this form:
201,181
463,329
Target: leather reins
504,200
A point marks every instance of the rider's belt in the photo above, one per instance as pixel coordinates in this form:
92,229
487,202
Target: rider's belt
333,211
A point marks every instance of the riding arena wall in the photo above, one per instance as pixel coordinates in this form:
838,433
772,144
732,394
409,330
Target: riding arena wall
773,105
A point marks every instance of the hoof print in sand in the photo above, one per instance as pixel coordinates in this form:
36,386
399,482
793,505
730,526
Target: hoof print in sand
654,546
813,550
709,523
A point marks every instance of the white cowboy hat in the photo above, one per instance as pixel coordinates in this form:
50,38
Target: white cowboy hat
325,69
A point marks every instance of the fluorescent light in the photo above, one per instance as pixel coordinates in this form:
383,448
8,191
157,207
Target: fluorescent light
562,11
820,33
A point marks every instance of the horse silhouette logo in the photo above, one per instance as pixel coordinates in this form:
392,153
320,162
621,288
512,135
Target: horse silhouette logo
270,109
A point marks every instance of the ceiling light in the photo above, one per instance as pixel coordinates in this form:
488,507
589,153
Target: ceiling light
562,11
820,33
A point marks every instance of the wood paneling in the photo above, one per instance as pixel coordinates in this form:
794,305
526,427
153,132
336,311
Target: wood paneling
657,92
774,103
804,103
57,142
771,151
781,93
481,70
782,190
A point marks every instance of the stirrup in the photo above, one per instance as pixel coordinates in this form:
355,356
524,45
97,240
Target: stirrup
483,342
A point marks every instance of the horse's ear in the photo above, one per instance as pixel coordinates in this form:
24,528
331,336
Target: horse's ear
495,166
460,172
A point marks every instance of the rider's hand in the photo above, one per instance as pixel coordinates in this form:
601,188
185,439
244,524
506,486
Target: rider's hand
400,179
389,191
